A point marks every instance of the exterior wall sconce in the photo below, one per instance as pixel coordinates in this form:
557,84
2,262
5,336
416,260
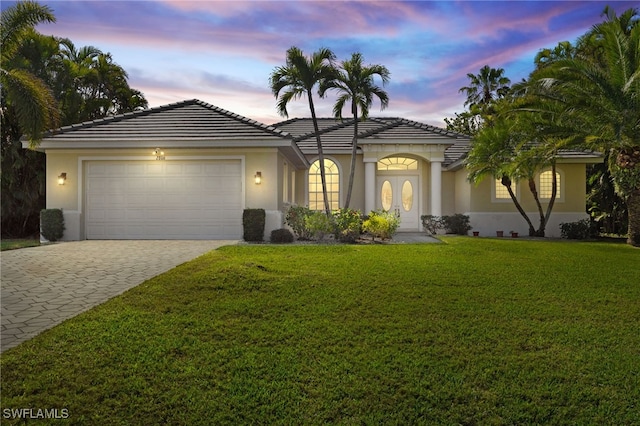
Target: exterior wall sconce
159,154
258,178
62,178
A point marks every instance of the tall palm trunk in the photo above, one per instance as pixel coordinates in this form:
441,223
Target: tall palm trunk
323,176
506,181
354,150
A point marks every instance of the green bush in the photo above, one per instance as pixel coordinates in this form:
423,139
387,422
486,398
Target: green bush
579,230
457,224
296,219
318,224
281,235
253,221
431,223
348,225
381,224
51,224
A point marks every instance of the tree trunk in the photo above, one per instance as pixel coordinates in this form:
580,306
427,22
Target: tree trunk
534,191
354,150
506,181
633,206
628,160
323,176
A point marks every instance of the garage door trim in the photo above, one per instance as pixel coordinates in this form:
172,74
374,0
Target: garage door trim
81,173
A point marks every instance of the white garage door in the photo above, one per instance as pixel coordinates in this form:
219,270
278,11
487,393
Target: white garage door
163,199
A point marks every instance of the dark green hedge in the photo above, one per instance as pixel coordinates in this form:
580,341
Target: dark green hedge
253,221
51,224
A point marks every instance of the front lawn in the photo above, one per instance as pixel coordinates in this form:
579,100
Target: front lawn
473,331
12,244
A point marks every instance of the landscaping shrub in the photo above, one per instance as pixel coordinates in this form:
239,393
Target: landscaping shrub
431,223
51,224
381,224
579,230
253,221
318,224
348,225
281,236
296,219
457,224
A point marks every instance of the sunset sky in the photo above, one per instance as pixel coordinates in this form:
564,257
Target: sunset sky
223,52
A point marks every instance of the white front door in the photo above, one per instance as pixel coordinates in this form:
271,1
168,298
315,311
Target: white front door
400,195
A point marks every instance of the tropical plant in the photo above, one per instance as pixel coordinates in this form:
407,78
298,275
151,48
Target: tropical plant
319,224
432,223
297,78
296,220
348,224
600,92
381,224
31,101
355,85
457,224
39,74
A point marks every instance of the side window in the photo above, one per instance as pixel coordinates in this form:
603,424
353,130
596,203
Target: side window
499,192
546,184
332,174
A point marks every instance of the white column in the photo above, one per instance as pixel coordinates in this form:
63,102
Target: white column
369,186
436,188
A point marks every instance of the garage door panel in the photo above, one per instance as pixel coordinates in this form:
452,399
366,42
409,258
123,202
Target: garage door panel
163,200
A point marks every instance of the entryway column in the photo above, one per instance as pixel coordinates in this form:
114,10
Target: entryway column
436,188
369,185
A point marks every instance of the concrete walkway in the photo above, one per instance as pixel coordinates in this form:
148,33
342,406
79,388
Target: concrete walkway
43,286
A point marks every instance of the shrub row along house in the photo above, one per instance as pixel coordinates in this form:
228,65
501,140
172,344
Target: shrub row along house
187,170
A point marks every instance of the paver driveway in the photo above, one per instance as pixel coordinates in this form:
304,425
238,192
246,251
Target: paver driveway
43,286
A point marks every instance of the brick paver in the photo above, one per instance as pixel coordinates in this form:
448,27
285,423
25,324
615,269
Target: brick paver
43,286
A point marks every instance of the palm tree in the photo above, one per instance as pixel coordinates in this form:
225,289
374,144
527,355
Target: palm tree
489,85
491,155
31,100
297,78
600,91
354,82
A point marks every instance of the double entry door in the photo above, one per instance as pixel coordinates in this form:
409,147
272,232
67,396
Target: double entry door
400,195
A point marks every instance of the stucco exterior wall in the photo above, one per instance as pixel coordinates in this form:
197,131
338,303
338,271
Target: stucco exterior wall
70,196
572,200
489,215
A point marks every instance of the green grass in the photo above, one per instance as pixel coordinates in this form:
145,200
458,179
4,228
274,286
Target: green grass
473,331
12,244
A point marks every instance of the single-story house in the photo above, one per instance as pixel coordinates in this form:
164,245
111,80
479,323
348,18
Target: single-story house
187,170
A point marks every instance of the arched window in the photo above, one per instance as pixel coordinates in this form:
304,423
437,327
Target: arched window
546,184
332,174
398,163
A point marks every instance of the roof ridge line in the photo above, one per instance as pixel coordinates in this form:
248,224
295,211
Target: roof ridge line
117,117
433,128
243,119
336,126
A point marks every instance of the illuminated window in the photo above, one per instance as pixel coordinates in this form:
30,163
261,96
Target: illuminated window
397,163
501,191
316,202
546,184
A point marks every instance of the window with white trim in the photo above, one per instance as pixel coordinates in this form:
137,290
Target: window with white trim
546,184
501,192
332,175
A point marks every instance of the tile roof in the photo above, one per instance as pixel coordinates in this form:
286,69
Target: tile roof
336,135
181,122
